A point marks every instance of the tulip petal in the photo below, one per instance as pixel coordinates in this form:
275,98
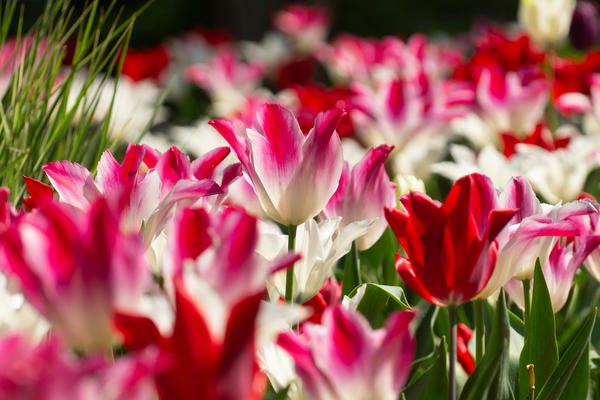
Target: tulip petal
73,183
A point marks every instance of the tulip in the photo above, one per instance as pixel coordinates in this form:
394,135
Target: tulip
8,213
48,372
321,245
363,193
546,21
464,356
215,254
201,363
564,261
489,161
584,26
145,64
588,225
345,359
283,165
216,281
227,79
511,101
75,268
40,193
532,233
146,187
560,174
306,25
451,247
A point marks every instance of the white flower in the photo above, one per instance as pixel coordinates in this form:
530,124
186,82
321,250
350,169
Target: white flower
560,174
17,315
133,107
547,21
320,252
489,162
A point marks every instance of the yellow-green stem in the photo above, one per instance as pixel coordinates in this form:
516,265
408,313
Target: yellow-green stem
289,276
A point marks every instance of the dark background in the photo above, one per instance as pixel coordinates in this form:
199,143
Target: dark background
249,19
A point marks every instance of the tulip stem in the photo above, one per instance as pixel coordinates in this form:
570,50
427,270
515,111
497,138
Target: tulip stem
452,350
479,330
527,302
351,272
289,275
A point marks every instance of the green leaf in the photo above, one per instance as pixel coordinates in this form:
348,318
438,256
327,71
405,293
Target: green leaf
375,299
378,262
424,331
568,363
541,347
578,386
490,378
431,382
516,323
351,270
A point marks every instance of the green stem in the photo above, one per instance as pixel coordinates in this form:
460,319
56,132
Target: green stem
479,330
452,350
351,271
289,275
527,301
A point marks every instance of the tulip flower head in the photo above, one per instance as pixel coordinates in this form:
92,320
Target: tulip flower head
345,359
451,247
362,194
294,176
76,268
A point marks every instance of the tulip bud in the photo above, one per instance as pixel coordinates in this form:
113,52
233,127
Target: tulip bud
584,26
546,21
406,184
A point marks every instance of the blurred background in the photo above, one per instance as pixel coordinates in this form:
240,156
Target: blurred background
249,19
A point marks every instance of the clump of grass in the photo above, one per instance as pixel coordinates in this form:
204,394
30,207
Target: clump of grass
41,119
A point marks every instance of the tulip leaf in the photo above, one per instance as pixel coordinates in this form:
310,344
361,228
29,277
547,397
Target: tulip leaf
568,364
375,299
541,347
431,382
578,386
425,343
378,262
516,323
490,380
351,270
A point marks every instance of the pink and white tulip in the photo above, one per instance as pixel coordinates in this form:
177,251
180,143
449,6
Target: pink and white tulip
227,79
589,226
294,176
48,372
146,187
215,256
307,26
363,193
531,234
511,101
401,108
564,261
345,359
76,268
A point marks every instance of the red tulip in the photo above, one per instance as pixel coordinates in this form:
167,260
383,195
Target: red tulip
451,247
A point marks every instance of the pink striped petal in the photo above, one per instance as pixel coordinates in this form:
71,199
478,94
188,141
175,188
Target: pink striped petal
73,183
